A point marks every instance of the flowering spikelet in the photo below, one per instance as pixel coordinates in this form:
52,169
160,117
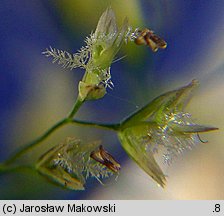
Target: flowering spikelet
162,125
98,53
70,164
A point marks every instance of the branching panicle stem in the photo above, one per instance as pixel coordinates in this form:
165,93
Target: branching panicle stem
34,143
5,169
37,141
114,127
78,103
68,120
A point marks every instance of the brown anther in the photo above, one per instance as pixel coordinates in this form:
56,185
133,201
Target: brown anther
147,37
106,159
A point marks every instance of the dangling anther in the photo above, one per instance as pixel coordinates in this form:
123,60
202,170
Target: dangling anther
147,37
106,159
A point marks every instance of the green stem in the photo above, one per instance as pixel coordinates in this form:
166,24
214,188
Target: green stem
113,127
75,108
6,169
35,142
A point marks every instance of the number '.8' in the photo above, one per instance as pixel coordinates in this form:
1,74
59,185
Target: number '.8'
217,207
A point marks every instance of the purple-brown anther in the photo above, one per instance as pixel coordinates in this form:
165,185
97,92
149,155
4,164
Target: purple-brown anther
147,37
105,159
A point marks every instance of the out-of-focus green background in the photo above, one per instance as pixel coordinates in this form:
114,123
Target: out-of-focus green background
34,93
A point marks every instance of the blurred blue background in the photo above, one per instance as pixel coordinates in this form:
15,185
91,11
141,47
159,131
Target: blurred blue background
35,94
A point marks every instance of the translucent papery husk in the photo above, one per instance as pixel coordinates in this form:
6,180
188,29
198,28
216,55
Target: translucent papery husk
190,128
69,164
64,164
131,141
161,125
145,139
107,23
156,110
108,40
